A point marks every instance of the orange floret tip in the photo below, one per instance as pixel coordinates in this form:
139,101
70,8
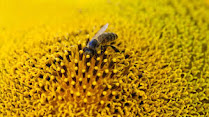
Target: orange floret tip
98,52
115,71
105,60
76,61
114,59
62,64
84,86
75,68
73,83
98,59
62,71
85,100
66,80
106,52
114,93
58,68
98,74
102,102
109,86
106,70
88,94
94,83
88,64
104,92
81,51
78,94
88,56
60,98
79,42
83,70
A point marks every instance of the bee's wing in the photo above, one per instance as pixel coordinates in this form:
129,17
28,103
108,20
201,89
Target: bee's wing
100,31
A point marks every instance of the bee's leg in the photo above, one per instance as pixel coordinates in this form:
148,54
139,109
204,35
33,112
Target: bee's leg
114,48
103,49
95,54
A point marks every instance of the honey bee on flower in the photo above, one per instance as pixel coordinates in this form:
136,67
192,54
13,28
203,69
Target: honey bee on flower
100,40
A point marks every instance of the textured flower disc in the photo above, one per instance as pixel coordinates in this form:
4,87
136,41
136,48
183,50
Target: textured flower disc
162,68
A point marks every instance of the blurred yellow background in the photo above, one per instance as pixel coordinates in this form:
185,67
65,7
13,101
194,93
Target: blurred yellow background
18,17
24,13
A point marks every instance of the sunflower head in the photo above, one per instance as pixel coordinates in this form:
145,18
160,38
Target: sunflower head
161,69
58,78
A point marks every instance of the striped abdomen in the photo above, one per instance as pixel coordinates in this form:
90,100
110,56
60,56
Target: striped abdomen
107,37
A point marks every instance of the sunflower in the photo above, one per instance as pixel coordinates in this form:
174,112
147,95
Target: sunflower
161,69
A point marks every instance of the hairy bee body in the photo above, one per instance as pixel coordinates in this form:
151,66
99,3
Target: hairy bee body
107,37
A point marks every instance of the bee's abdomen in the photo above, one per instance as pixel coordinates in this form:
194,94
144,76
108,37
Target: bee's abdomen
107,37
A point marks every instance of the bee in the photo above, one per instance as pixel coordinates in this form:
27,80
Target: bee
99,40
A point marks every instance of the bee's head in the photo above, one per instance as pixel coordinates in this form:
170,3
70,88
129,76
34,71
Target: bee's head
88,51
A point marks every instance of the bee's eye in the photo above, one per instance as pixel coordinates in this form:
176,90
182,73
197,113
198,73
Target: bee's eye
93,43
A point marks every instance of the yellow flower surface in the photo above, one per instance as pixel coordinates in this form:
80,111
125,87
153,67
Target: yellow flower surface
162,68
